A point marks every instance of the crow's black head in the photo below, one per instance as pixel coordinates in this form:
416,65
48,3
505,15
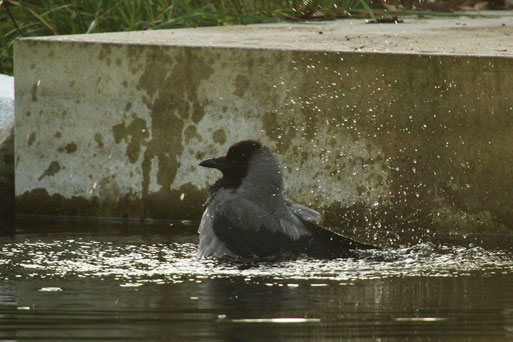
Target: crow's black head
235,164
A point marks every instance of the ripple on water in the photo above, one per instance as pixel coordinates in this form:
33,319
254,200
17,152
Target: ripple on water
163,262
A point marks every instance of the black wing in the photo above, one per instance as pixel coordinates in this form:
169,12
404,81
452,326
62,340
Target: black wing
249,243
267,244
323,243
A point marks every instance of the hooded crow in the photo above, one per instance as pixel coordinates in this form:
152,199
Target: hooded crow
247,216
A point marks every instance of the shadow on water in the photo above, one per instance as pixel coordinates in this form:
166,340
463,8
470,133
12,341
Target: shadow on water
97,281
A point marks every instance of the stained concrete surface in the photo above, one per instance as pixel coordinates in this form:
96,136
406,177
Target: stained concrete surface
410,137
483,36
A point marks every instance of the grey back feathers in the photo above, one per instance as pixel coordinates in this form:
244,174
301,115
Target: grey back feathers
264,175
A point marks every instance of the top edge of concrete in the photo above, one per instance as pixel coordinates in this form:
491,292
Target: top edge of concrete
483,36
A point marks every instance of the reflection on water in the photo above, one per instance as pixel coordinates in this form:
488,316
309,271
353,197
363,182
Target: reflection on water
91,281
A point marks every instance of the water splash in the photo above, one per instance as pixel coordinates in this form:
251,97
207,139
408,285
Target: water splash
171,262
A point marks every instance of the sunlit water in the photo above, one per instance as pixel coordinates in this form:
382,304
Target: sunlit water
91,281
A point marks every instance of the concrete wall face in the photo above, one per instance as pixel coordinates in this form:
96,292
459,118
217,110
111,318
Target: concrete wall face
374,140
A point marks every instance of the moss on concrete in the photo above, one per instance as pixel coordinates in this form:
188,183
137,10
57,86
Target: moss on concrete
219,136
129,206
134,135
68,148
169,84
52,169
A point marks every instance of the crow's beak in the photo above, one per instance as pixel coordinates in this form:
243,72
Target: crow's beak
215,163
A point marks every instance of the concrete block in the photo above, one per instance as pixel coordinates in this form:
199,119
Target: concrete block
404,137
6,100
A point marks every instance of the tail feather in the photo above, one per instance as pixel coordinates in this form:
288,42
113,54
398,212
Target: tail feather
324,243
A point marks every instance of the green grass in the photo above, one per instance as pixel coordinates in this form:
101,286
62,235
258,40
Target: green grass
20,18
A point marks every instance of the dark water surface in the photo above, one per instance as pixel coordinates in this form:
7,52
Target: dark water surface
72,281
